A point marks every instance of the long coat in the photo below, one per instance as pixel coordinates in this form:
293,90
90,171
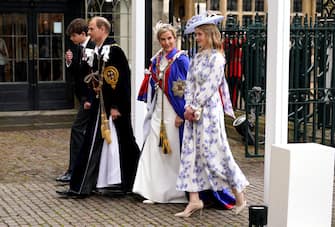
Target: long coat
116,89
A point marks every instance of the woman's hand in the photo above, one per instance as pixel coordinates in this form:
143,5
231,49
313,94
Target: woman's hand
178,121
189,113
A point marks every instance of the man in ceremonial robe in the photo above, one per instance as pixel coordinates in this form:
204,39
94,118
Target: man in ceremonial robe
111,78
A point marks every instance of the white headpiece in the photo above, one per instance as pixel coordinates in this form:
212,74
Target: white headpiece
160,25
209,17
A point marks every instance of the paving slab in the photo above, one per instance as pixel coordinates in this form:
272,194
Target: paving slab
31,160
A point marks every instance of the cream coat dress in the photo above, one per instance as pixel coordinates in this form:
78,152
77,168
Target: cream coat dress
157,172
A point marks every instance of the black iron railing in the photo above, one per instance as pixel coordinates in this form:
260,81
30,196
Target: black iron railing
311,79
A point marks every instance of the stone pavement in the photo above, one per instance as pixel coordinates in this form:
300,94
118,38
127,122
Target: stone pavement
31,159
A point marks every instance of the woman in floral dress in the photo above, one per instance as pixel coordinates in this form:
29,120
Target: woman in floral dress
206,159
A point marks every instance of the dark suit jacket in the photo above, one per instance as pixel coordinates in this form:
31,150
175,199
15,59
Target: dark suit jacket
77,72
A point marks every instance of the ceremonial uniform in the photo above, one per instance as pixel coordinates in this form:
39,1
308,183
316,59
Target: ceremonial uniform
157,172
110,63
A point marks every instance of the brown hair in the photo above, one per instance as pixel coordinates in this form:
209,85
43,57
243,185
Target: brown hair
213,34
78,26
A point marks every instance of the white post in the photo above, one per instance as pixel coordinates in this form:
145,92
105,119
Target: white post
295,200
124,28
137,69
278,42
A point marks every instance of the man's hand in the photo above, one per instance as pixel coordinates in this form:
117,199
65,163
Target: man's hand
115,114
97,89
87,105
68,56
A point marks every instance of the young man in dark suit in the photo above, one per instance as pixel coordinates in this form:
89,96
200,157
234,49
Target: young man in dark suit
77,69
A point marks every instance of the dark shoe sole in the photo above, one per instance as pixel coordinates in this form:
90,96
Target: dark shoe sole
67,194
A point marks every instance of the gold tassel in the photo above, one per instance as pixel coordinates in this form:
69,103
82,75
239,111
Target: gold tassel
108,136
163,140
105,132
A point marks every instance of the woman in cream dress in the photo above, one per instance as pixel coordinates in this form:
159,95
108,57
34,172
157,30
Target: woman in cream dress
162,90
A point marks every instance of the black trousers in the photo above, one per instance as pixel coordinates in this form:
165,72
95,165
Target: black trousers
86,170
78,130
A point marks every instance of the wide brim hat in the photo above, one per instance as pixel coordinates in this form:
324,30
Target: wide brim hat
208,17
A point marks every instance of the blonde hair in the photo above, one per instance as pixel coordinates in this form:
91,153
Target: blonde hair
161,28
213,34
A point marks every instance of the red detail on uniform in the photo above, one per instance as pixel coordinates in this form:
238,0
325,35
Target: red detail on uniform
143,92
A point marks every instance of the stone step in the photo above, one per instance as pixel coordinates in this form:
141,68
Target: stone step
24,120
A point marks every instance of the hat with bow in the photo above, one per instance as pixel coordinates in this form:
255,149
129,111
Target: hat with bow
209,17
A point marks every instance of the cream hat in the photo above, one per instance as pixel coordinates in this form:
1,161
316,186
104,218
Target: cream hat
209,17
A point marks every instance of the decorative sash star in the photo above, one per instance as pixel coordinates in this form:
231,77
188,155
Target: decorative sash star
178,87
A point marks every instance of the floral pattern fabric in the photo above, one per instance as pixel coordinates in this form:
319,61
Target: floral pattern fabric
206,159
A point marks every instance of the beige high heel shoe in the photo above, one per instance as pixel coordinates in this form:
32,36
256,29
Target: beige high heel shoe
191,208
238,209
148,201
240,196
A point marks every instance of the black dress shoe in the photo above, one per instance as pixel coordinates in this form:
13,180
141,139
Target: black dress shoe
71,194
63,192
112,192
66,177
